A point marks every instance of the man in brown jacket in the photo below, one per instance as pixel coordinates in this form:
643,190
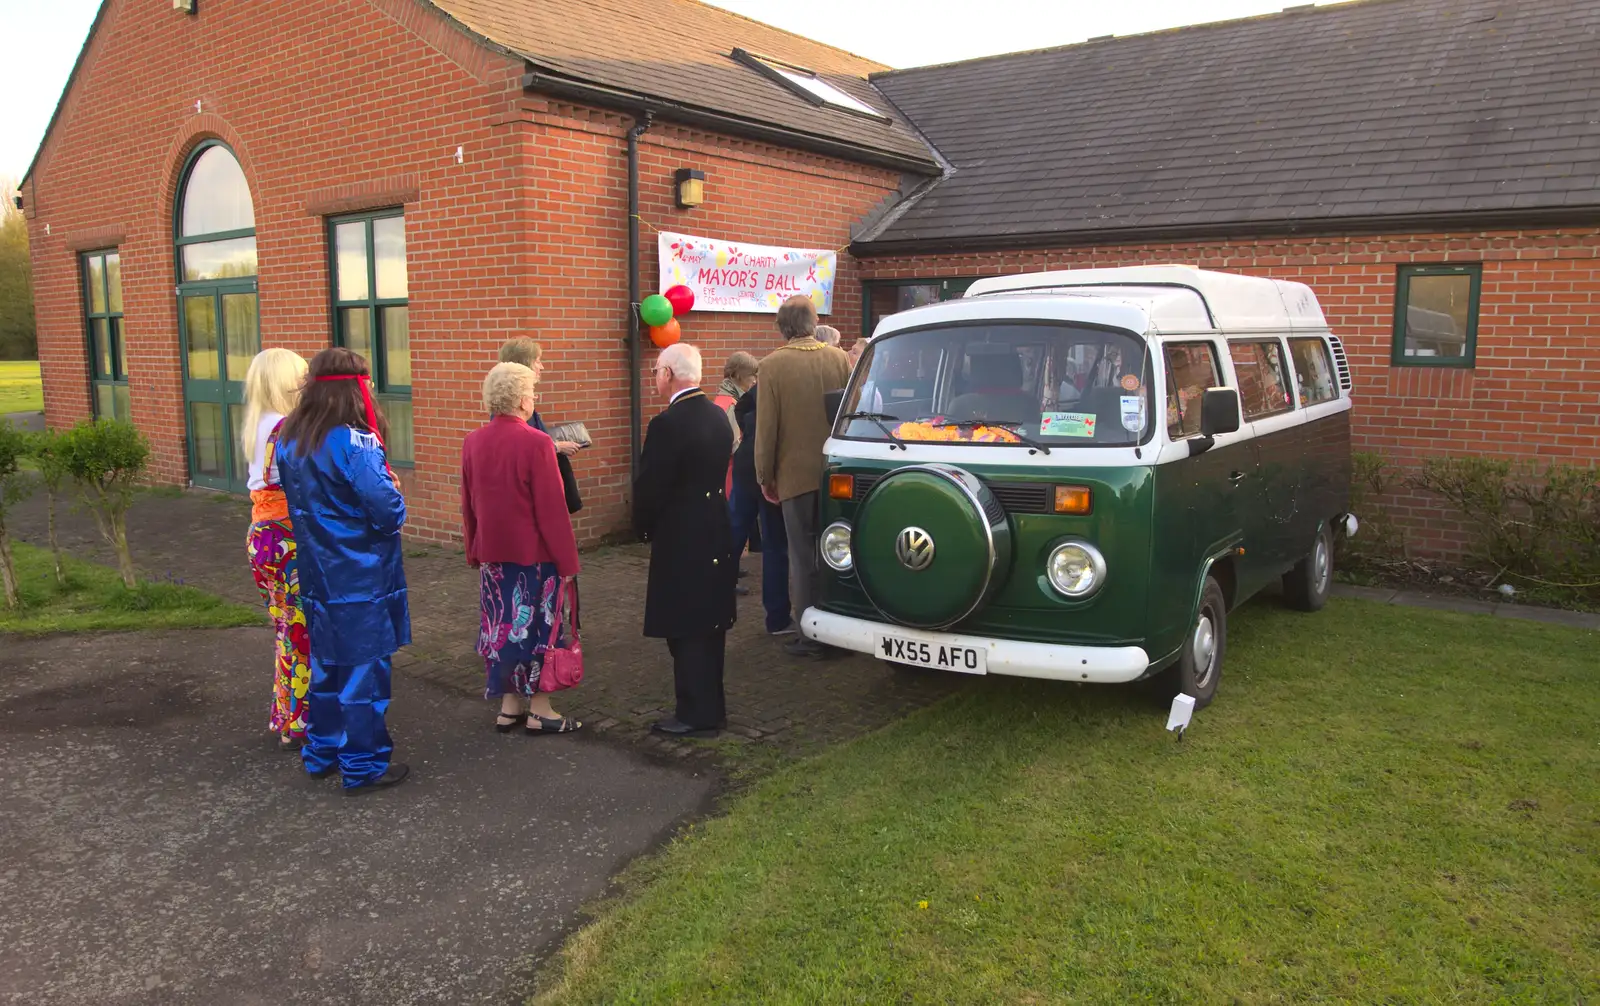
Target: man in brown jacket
791,426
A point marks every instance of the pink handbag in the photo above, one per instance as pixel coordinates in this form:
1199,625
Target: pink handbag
563,660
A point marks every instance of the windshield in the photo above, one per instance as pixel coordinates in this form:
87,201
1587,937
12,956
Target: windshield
1002,383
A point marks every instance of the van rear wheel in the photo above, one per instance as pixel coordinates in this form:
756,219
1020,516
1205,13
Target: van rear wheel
1199,666
1306,587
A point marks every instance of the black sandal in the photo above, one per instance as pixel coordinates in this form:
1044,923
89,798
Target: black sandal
553,725
515,718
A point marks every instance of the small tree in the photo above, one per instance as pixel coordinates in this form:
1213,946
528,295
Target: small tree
105,457
49,452
14,486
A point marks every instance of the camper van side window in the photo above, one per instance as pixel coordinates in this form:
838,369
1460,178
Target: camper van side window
1263,379
1191,369
1313,371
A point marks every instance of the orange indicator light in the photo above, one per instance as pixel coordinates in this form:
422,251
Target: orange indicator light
1074,499
841,487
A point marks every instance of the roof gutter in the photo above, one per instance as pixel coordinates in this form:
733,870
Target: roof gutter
606,97
1565,216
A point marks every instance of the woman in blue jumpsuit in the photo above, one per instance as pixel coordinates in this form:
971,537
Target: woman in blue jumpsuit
348,511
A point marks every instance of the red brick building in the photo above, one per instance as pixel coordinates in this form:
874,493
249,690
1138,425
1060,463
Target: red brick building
483,145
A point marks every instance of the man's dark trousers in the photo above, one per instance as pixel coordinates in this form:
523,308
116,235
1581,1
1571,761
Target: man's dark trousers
697,678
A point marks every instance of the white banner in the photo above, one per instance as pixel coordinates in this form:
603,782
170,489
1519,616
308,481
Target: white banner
754,279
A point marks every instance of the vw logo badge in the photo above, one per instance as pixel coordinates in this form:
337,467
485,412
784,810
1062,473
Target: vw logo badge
914,546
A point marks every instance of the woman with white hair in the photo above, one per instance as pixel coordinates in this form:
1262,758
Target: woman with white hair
271,390
518,535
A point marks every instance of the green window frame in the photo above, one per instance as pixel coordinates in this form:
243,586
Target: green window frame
1436,315
908,293
371,312
103,330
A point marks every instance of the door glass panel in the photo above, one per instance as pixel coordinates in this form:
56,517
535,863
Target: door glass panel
389,245
396,347
119,348
121,408
100,335
200,320
350,252
205,421
114,282
242,332
97,284
1191,369
229,259
104,405
241,471
216,196
400,446
356,323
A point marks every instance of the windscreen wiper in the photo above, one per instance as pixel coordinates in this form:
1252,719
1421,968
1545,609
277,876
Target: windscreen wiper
877,419
1009,427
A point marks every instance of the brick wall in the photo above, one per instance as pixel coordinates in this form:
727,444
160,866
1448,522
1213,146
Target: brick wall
1534,392
361,104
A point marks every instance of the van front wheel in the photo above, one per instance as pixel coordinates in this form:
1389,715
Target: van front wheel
1199,666
1306,587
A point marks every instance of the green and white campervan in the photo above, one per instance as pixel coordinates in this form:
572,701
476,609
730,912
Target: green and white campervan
1077,475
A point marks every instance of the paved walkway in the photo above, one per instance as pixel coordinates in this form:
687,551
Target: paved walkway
197,537
159,849
30,421
1449,602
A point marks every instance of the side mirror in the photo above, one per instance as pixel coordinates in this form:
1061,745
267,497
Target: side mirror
1219,411
831,400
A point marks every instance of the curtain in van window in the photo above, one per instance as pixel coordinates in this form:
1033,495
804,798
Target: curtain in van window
1263,378
1313,371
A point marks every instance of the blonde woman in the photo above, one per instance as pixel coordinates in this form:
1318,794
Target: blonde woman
272,389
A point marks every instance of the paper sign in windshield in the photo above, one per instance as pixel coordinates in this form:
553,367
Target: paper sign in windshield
1066,424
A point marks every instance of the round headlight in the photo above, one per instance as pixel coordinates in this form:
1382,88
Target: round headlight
1076,569
836,547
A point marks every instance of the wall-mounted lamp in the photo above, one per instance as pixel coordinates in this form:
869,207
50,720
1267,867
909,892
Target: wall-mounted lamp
187,6
16,200
689,187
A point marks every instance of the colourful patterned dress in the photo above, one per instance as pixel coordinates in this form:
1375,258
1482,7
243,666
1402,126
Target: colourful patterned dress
518,613
272,560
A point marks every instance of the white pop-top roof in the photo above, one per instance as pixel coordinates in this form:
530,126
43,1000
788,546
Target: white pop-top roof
1178,298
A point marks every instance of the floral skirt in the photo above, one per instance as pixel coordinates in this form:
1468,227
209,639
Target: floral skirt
272,552
518,616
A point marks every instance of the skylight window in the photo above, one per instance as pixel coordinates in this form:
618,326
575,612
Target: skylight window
805,83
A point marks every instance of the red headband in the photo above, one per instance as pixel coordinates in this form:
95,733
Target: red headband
372,414
366,397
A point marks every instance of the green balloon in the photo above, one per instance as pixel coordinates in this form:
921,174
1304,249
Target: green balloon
655,310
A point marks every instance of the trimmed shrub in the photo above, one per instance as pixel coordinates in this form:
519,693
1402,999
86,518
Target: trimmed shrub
106,457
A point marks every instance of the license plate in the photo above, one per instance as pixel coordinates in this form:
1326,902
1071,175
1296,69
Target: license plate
939,656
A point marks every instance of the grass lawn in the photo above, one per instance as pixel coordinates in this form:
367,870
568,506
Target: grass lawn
20,387
96,600
1384,805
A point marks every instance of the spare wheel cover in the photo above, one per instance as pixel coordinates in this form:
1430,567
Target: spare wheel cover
931,545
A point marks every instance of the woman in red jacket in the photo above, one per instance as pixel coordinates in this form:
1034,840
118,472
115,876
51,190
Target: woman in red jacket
517,532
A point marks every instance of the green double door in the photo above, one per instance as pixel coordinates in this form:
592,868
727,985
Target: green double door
221,335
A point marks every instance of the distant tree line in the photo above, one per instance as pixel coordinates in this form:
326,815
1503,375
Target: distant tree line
18,340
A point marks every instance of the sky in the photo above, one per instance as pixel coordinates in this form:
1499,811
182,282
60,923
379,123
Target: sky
42,38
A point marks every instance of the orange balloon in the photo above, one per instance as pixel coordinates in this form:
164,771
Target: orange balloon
665,335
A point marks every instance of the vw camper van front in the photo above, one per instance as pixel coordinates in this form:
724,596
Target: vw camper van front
1076,475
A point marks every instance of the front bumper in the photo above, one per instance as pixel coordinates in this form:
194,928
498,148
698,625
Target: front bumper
1098,664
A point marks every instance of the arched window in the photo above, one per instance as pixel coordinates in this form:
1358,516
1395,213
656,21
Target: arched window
215,237
217,222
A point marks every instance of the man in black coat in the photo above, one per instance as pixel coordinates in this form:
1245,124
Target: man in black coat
679,507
